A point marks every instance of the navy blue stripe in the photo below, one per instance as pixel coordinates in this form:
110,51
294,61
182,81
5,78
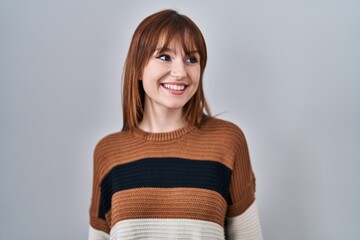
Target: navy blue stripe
164,173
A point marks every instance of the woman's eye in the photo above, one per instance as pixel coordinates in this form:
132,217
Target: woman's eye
164,57
191,60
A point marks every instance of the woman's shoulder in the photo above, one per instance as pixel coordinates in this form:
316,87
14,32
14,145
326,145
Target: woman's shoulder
221,129
220,137
112,141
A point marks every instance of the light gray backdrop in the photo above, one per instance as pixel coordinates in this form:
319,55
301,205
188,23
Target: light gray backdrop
287,72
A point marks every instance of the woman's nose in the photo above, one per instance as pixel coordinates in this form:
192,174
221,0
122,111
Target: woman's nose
178,69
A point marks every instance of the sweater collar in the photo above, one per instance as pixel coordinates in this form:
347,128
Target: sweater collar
162,137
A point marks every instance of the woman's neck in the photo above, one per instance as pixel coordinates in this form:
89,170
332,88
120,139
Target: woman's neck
164,120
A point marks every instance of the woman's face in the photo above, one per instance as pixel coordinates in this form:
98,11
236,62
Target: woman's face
170,78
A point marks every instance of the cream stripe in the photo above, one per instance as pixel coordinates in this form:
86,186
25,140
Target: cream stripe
246,226
155,229
95,234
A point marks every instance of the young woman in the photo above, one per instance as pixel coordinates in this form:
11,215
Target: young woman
173,171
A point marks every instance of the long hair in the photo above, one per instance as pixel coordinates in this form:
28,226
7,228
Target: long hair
165,25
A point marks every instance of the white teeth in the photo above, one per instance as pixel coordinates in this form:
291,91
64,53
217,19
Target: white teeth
174,87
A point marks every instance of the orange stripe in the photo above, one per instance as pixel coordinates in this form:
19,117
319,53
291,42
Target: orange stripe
190,203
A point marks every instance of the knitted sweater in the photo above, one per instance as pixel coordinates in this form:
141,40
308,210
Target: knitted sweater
191,183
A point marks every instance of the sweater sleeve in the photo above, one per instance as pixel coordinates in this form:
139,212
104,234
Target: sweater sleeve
242,185
99,228
245,226
95,234
242,216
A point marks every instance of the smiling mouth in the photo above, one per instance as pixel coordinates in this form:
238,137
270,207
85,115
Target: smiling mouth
174,87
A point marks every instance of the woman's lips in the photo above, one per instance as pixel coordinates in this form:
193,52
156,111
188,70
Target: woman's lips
176,89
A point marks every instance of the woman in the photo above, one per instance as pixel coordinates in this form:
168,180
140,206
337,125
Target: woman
173,172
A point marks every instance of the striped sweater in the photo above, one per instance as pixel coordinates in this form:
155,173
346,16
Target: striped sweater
192,183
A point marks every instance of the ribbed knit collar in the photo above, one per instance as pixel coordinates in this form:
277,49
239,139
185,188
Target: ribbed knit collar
162,137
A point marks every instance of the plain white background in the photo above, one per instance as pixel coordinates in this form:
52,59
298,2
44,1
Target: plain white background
287,72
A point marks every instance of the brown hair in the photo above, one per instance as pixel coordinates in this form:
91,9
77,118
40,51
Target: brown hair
168,25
